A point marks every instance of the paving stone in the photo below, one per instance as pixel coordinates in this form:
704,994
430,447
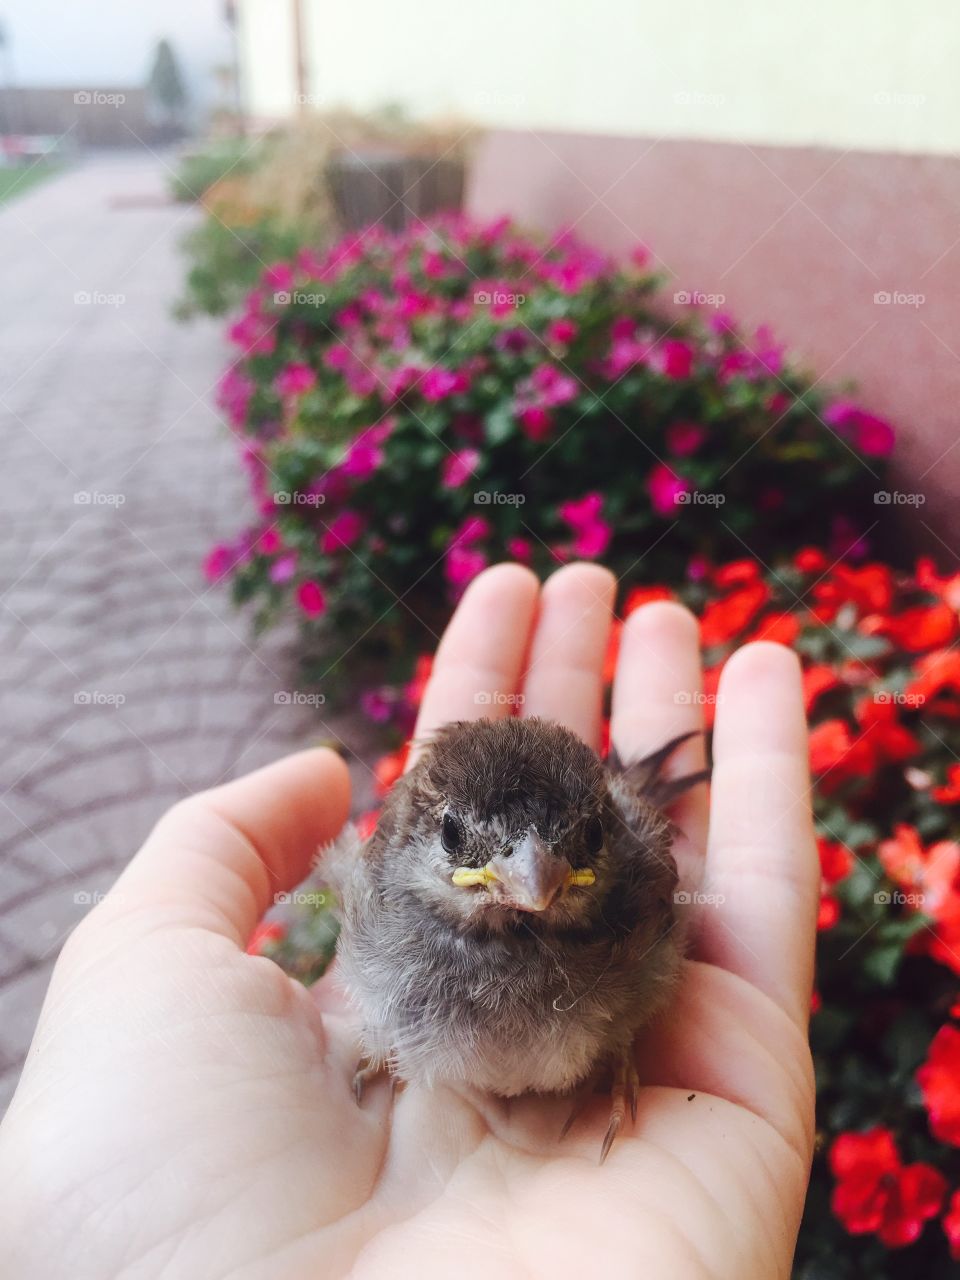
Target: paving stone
107,597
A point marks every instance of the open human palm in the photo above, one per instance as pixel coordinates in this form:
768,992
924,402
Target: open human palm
186,1109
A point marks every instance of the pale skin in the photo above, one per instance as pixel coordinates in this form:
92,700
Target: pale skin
187,1111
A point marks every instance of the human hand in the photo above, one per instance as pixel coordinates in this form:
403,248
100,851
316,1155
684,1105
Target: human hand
186,1109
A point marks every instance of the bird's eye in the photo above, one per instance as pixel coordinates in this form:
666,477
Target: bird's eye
593,835
450,833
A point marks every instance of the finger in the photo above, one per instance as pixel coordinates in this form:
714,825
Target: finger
564,677
657,695
761,860
481,654
217,860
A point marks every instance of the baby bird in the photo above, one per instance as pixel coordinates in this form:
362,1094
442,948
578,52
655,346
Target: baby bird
510,924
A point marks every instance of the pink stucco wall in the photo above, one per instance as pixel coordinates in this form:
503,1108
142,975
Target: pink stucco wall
800,239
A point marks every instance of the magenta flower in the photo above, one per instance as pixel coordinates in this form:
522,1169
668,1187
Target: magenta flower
665,488
462,565
624,354
459,467
552,387
279,277
269,542
591,532
472,530
220,561
872,435
561,332
520,549
234,393
378,704
295,380
311,599
343,531
283,569
365,454
673,358
536,422
253,334
684,438
439,384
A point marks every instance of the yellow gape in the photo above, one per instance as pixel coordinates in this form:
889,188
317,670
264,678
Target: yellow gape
464,876
473,875
584,877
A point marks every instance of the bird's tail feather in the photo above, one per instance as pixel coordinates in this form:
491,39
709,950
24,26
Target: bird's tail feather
646,775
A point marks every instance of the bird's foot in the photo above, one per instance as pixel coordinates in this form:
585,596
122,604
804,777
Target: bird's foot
368,1070
623,1096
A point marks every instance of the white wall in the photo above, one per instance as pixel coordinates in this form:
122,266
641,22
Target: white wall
870,74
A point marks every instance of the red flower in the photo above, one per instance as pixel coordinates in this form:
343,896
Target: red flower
644,595
949,793
421,674
778,628
889,740
875,1192
939,1081
737,573
836,860
829,912
389,768
810,560
921,628
725,619
263,935
931,873
869,588
818,680
835,751
366,824
951,1225
937,683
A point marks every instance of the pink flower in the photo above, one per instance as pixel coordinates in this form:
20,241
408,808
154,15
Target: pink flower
592,533
269,542
463,564
871,435
283,569
365,455
665,487
459,467
684,438
536,422
551,386
253,334
295,380
234,393
311,599
472,530
673,358
520,549
439,384
343,531
279,277
220,561
561,332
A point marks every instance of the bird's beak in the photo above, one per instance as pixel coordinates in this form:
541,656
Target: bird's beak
531,875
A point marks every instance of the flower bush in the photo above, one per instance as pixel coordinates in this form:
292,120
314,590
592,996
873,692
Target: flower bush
411,407
882,684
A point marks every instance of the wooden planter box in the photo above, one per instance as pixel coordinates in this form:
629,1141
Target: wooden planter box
393,189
